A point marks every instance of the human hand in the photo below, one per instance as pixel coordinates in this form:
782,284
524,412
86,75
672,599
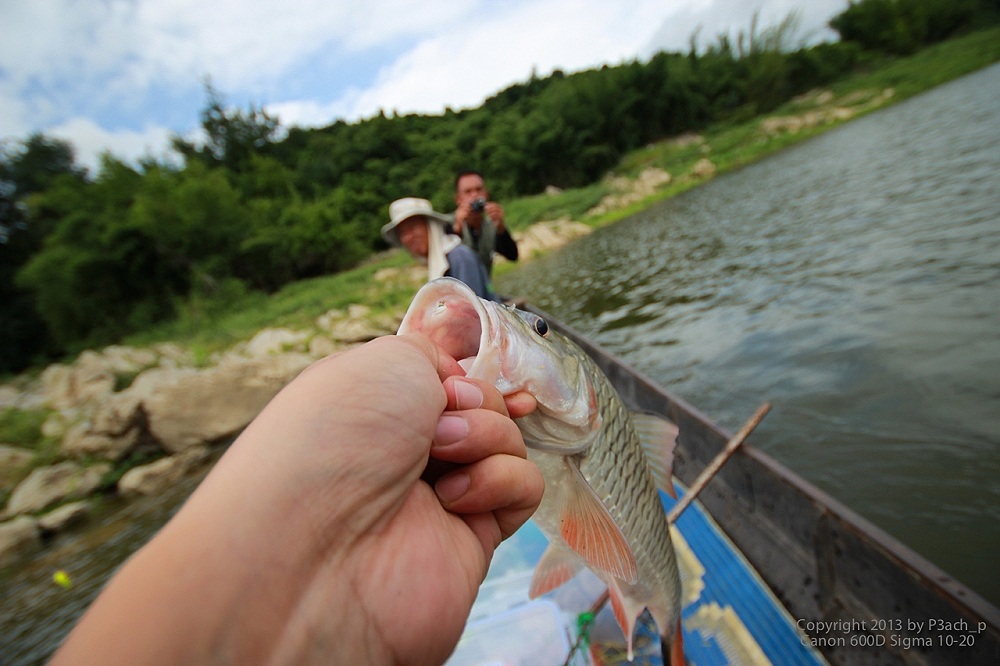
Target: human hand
421,552
496,215
461,217
351,522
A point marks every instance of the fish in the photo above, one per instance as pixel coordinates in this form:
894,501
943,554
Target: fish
601,464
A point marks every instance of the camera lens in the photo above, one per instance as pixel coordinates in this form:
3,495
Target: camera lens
478,205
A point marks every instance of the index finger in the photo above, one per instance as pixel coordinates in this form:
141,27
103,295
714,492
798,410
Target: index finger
515,405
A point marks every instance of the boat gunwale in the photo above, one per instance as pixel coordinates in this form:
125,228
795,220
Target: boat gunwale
839,524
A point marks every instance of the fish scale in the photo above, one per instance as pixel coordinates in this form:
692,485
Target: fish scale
601,508
617,470
630,494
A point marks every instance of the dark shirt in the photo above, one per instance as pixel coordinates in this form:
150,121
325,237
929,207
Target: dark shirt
486,240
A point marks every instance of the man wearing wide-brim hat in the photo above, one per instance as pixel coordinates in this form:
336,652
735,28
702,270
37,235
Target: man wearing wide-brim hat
415,225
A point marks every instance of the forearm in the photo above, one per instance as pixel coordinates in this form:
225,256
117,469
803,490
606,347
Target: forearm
314,539
506,246
156,612
198,592
219,581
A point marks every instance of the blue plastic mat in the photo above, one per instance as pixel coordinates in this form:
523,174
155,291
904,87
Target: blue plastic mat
729,616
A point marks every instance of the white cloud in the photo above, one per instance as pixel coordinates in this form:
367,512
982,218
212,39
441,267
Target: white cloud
90,141
712,18
460,68
310,113
123,75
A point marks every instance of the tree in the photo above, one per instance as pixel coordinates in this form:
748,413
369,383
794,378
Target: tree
25,171
90,277
196,222
86,260
902,26
232,136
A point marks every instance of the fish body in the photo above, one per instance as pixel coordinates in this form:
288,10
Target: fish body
600,508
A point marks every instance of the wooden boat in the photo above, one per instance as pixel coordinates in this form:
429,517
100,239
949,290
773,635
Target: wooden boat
796,576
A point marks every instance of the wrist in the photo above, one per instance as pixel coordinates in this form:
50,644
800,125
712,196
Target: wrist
323,632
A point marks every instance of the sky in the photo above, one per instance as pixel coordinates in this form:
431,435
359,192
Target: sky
124,76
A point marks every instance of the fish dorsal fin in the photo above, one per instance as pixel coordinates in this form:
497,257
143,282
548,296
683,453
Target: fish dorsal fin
556,567
592,533
658,437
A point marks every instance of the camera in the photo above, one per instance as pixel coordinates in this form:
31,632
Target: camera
478,205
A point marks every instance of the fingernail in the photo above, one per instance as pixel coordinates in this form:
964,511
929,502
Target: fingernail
451,487
450,429
467,395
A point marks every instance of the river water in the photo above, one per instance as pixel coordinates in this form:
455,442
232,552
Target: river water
35,613
852,280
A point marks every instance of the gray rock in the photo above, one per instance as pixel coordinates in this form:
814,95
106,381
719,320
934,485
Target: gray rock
122,360
13,457
82,441
46,486
118,414
19,539
355,325
57,423
275,341
71,386
65,516
112,432
14,465
186,408
161,474
321,346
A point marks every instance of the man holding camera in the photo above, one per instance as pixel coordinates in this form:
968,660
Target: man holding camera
479,221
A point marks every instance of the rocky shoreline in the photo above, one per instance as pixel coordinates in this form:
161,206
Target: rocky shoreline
133,421
170,415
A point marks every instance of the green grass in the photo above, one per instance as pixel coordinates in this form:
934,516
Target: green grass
930,67
572,204
297,305
23,428
673,155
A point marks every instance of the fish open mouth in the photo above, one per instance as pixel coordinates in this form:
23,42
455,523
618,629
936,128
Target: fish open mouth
509,351
451,315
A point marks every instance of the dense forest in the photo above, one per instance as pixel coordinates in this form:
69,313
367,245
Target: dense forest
88,258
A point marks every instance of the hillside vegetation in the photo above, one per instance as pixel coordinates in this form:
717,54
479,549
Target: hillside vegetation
260,226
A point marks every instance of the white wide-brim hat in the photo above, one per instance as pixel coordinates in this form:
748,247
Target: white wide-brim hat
401,210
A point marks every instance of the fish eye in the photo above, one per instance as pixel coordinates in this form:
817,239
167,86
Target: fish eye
537,324
541,327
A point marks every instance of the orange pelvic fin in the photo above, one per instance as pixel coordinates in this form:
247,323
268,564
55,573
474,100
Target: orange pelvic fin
588,529
556,567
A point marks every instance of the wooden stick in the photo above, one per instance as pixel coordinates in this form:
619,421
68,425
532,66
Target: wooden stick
716,464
